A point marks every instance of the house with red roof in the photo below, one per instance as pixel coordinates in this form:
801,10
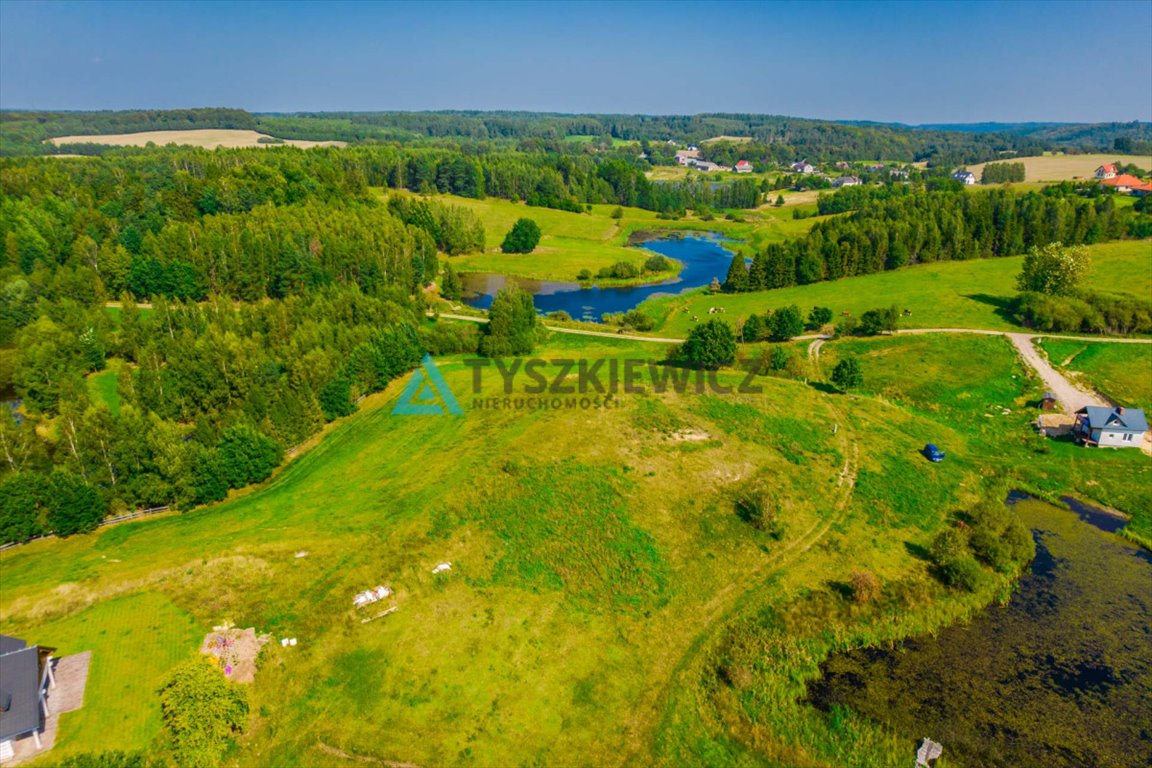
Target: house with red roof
1123,183
743,167
1107,171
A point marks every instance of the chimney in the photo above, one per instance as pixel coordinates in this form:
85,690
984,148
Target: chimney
1120,410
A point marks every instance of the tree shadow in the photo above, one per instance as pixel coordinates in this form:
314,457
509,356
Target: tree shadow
1003,304
841,588
825,387
917,551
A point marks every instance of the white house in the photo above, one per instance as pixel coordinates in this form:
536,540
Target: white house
1106,171
1110,427
845,181
687,156
964,176
803,168
743,167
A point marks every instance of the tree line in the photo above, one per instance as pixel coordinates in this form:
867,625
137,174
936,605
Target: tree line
896,226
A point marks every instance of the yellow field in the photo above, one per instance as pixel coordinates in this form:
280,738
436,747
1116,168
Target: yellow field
1067,167
208,138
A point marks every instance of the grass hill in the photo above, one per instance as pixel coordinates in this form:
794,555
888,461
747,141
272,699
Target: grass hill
601,568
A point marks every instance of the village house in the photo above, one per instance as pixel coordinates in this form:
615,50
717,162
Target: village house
897,173
1110,427
1106,171
687,156
841,165
743,167
803,168
1123,183
965,177
845,181
1142,190
704,165
25,672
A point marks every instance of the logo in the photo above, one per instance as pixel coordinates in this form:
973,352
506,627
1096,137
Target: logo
427,393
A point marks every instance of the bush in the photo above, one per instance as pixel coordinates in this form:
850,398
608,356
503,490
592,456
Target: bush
522,238
560,316
584,274
248,456
201,711
998,538
785,323
657,263
634,318
622,270
710,345
819,317
511,326
865,587
617,212
847,374
874,321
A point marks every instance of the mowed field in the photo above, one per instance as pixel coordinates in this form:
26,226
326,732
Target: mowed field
599,568
1067,167
958,294
1121,372
208,138
571,242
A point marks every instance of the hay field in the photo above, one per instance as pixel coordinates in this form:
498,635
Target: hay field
208,138
1067,167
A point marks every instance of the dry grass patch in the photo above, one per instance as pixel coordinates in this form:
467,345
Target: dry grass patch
208,138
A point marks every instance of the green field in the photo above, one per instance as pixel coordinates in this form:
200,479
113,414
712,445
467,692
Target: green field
959,294
1122,372
102,386
599,568
575,241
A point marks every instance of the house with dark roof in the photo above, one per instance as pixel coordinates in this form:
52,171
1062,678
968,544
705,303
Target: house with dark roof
845,181
1106,171
1110,427
965,177
803,168
25,671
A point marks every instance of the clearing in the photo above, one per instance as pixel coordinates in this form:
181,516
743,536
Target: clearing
1121,372
208,138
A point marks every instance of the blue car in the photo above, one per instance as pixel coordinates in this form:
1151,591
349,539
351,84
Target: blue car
932,453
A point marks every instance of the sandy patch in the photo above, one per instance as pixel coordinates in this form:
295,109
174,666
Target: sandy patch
208,138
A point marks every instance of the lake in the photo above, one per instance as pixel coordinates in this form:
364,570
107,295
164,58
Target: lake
703,255
1060,676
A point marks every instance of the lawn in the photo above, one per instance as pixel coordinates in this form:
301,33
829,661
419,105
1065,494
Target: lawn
598,563
572,242
959,294
1122,372
103,386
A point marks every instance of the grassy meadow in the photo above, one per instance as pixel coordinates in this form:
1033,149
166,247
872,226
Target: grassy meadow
602,580
572,242
1121,372
956,294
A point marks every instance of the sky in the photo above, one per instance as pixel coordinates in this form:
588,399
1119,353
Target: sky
912,62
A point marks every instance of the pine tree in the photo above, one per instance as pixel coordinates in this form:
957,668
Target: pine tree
737,280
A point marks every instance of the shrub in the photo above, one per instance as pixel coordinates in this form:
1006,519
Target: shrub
201,711
584,274
865,587
657,263
622,270
560,316
710,345
785,323
634,318
847,374
874,321
21,513
522,238
819,317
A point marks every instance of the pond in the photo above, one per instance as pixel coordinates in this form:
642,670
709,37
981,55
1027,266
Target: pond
703,255
1060,676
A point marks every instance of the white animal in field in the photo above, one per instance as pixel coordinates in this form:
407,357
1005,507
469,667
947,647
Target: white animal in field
442,568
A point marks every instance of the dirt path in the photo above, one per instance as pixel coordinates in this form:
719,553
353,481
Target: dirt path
1071,397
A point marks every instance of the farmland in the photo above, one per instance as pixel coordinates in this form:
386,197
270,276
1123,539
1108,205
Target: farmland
207,138
1055,167
968,294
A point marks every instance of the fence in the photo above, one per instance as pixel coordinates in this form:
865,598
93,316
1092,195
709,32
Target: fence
107,521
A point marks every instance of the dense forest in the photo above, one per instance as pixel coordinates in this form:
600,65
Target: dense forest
774,138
